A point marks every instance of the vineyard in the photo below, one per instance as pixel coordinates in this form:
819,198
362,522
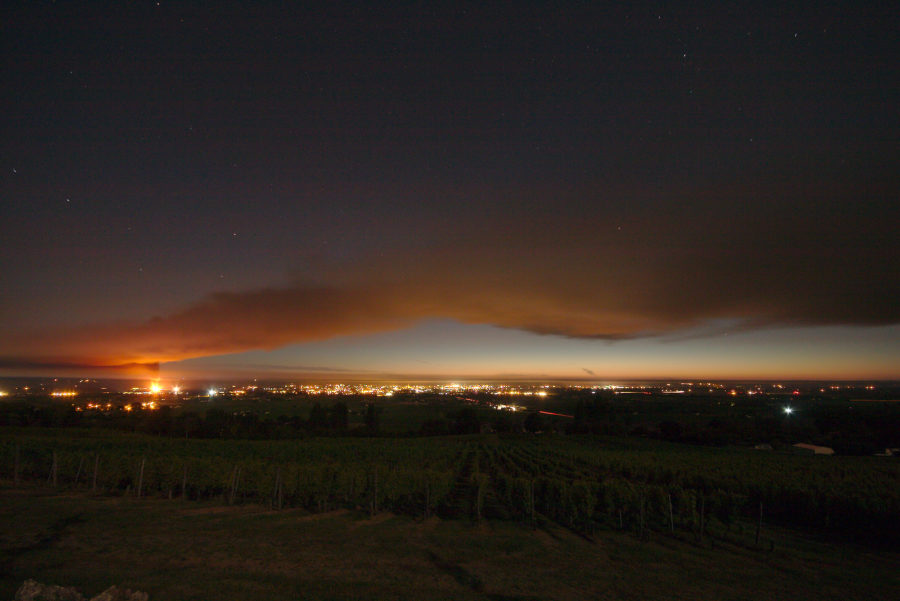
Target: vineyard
582,483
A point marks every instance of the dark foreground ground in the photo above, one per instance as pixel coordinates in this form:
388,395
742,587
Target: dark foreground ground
188,550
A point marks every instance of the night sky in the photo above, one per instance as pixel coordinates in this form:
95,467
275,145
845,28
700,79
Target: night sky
547,190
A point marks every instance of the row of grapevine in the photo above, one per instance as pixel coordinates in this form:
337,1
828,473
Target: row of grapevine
859,496
582,483
412,481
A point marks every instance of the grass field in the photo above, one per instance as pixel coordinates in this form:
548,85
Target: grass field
203,550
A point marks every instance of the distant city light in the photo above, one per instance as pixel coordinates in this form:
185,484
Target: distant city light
788,410
213,392
176,389
154,388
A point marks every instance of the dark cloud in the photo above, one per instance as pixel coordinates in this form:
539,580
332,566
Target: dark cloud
609,271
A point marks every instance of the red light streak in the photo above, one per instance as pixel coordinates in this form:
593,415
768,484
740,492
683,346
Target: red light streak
559,414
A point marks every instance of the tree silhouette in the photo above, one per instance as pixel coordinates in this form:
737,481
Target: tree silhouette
373,417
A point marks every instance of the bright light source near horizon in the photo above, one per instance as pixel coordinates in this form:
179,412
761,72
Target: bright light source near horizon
788,410
154,388
213,392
